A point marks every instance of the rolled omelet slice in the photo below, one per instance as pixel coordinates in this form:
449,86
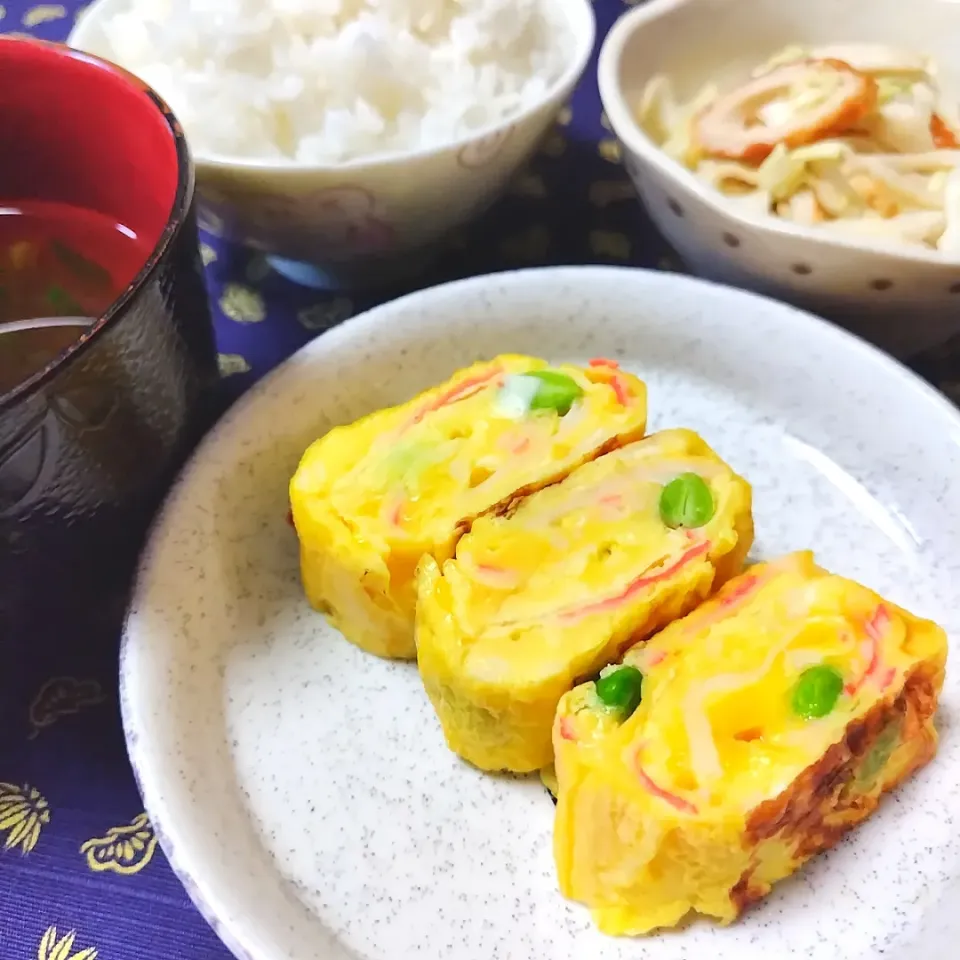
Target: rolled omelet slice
558,587
737,743
371,498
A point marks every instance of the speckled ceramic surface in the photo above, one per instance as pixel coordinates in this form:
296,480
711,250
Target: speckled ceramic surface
302,789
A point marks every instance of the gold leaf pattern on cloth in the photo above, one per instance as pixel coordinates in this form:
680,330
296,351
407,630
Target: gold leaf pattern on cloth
44,13
61,697
231,363
24,812
242,304
53,947
326,314
125,850
610,150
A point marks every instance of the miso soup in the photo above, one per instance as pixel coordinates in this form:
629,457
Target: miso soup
56,261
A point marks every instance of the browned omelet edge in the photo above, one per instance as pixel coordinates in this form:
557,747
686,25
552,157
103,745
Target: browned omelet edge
822,803
398,642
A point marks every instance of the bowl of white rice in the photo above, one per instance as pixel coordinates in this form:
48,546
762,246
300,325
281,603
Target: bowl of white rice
350,134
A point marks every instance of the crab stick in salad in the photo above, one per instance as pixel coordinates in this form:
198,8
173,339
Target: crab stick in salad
536,600
860,140
370,498
738,742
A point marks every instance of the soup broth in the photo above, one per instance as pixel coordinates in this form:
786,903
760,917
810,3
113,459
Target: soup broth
57,261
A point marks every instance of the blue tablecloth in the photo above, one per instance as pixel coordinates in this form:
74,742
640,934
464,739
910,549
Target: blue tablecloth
80,872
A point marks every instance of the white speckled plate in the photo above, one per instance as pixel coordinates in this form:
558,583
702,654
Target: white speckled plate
301,789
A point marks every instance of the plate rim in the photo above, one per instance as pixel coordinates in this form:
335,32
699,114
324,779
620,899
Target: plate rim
348,329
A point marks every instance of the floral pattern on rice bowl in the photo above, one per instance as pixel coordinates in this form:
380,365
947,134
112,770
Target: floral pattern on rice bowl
337,222
349,219
480,152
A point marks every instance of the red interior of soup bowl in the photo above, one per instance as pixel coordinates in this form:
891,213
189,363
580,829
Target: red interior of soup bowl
79,131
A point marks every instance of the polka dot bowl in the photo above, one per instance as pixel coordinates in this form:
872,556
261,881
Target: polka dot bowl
367,222
904,300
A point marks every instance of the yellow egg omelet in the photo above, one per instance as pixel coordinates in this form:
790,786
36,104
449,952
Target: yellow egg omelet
371,498
557,588
737,743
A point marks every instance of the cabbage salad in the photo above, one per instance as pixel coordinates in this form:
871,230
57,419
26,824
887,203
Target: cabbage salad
855,139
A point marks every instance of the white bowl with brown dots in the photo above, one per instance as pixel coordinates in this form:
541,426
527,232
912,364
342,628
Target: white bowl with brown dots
301,788
903,300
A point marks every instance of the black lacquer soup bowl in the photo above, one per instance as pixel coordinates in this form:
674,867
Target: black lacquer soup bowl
89,440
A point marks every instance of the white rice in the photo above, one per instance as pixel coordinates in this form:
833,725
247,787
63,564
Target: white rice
327,81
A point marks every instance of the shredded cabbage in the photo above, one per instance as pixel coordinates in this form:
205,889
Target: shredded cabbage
870,149
950,238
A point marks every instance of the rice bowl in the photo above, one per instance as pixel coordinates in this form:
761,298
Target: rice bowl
341,80
373,219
